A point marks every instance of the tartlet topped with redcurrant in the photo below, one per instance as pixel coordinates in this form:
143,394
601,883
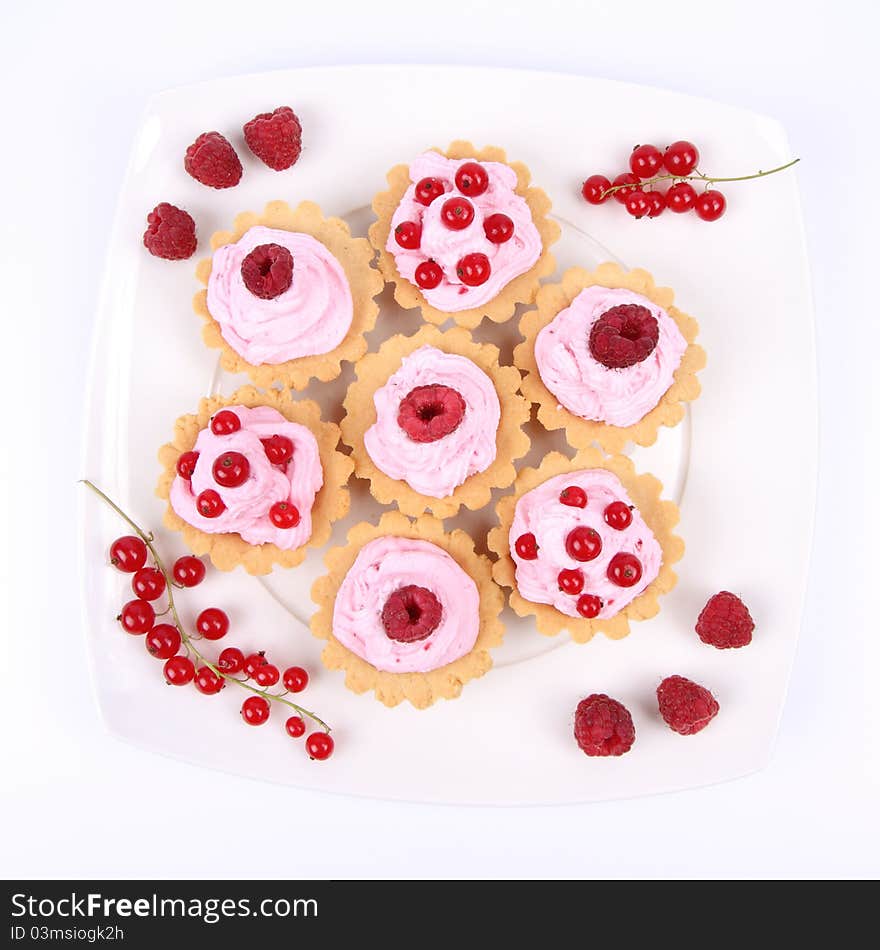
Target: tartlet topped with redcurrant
461,234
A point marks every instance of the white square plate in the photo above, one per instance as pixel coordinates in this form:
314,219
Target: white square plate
742,465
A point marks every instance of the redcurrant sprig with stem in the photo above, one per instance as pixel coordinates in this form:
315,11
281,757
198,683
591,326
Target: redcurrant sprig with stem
697,175
186,640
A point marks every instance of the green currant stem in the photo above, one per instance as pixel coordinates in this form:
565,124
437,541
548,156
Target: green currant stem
700,177
147,538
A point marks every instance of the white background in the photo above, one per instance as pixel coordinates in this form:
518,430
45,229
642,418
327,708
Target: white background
79,803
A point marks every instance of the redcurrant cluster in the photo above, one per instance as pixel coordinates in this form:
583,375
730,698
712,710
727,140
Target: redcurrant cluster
649,166
184,661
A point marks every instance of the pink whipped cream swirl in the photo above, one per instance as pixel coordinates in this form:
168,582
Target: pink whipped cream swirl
247,506
384,566
436,468
311,317
541,513
586,387
447,247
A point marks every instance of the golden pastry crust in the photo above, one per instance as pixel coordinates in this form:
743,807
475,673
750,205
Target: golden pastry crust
551,299
331,503
420,689
354,255
521,289
660,515
374,370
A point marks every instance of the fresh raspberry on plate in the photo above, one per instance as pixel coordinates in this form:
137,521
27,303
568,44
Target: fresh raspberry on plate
411,613
267,271
213,161
429,413
624,335
603,726
725,622
686,707
275,137
171,233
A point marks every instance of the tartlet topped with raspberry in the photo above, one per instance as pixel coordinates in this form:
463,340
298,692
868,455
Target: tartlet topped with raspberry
289,295
434,422
408,610
608,358
462,234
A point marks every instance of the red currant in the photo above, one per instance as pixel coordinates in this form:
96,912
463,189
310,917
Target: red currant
212,623
267,675
618,515
137,616
225,422
589,605
284,515
148,583
208,682
583,543
278,449
253,662
574,496
231,469
473,269
210,504
498,228
128,554
681,158
429,274
657,200
710,205
526,546
571,580
163,641
255,710
189,571
408,234
680,197
428,189
646,161
594,189
625,569
319,745
295,679
231,660
471,179
186,464
179,671
632,184
295,727
457,213
638,204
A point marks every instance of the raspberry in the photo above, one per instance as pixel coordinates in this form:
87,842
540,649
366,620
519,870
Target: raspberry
275,137
212,161
603,726
411,613
171,233
429,413
685,706
725,622
267,271
624,335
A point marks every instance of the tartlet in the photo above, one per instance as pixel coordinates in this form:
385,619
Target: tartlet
594,401
508,265
560,540
436,470
395,592
307,330
290,461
